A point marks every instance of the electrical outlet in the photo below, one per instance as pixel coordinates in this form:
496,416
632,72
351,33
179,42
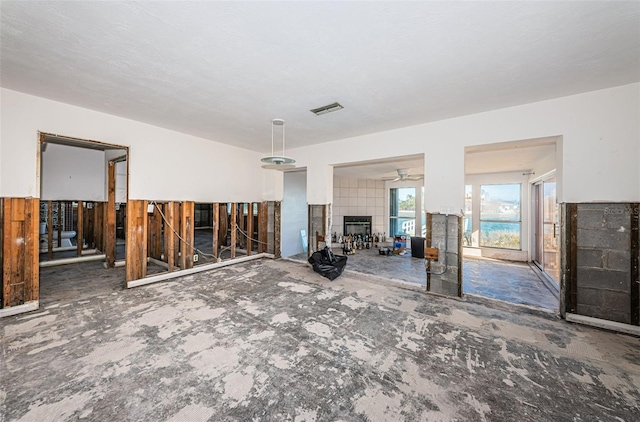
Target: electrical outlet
195,258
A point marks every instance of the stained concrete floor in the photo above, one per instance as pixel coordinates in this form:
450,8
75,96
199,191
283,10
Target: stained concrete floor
511,282
272,340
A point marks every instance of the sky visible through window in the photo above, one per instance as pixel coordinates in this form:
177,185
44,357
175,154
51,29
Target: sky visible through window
507,193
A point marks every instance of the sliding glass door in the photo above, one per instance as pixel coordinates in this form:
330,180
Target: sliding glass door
546,229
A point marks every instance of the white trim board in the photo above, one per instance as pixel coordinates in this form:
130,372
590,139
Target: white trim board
20,309
194,270
603,323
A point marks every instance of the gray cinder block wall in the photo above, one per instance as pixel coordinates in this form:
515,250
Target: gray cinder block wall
317,223
449,283
605,268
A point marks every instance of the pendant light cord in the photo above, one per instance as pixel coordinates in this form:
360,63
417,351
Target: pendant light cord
272,125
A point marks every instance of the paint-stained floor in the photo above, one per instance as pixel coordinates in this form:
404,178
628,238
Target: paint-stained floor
272,340
513,282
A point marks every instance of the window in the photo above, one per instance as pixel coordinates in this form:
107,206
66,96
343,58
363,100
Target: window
500,216
402,211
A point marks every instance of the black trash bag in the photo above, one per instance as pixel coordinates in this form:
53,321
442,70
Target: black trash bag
327,264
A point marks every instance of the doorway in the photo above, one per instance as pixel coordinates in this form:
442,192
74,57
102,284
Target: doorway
546,233
83,195
510,230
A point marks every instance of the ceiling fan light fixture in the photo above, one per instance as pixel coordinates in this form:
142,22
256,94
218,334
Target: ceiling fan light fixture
277,162
403,175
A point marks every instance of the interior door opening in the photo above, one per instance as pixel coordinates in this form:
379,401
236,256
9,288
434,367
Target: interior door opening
83,195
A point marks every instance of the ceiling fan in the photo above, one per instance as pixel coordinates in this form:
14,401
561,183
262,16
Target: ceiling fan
403,174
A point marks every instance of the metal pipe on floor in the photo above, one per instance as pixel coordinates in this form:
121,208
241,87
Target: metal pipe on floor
194,270
71,248
159,263
65,261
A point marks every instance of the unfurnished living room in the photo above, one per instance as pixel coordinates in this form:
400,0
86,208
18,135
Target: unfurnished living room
319,211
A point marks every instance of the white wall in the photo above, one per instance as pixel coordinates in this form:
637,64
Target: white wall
294,212
121,181
71,173
163,164
599,149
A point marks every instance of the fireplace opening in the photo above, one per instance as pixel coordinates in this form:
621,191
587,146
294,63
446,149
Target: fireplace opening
357,224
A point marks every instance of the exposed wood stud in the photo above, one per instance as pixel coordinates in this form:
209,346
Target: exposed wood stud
216,228
169,236
60,222
155,233
89,225
136,240
250,228
262,227
110,223
20,247
242,239
80,220
187,234
234,231
224,225
635,264
98,225
31,277
50,230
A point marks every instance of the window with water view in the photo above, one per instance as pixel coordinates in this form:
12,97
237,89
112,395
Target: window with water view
500,216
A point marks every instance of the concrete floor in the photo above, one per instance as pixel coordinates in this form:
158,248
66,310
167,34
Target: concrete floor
272,340
511,282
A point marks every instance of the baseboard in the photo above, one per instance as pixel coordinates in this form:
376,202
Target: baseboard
605,324
19,309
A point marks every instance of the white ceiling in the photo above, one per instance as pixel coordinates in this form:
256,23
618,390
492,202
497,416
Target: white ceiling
503,157
380,169
223,70
512,156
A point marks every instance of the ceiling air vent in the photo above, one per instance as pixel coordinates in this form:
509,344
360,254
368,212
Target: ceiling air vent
326,109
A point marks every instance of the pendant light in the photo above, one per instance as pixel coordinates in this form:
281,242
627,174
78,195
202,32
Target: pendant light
277,162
